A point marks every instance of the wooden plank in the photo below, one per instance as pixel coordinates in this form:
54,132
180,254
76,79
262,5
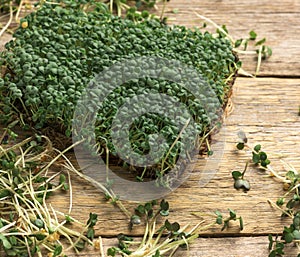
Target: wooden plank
204,247
210,247
276,20
271,118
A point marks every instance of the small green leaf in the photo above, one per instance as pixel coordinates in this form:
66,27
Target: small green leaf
240,146
39,223
62,178
270,237
140,209
288,237
92,220
263,156
80,245
236,174
265,163
39,237
6,244
164,205
241,223
255,158
296,234
148,206
280,201
168,225
112,251
252,35
175,226
218,213
68,133
260,42
219,220
232,214
90,233
238,42
257,148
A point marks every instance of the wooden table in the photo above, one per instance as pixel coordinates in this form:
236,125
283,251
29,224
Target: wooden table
266,108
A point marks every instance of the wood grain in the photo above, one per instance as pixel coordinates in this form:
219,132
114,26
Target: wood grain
210,247
277,21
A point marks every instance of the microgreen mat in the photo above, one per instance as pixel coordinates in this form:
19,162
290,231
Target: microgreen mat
61,47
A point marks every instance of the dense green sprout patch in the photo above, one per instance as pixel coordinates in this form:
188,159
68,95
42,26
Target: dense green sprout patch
61,48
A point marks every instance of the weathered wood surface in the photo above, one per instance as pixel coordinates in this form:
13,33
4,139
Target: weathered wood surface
277,20
265,108
211,247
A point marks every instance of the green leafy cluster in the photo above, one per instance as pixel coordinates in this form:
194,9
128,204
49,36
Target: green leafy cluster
263,50
288,204
239,181
259,157
27,226
4,5
225,221
291,201
169,236
153,243
51,61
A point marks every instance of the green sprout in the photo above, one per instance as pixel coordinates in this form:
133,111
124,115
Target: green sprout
239,181
28,225
287,204
154,242
168,237
262,51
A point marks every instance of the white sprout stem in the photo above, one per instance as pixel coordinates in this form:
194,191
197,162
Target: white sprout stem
61,153
15,146
103,188
27,246
70,192
278,208
21,159
273,172
143,244
174,143
215,25
111,5
7,226
196,227
179,242
259,60
19,10
73,219
10,19
101,248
